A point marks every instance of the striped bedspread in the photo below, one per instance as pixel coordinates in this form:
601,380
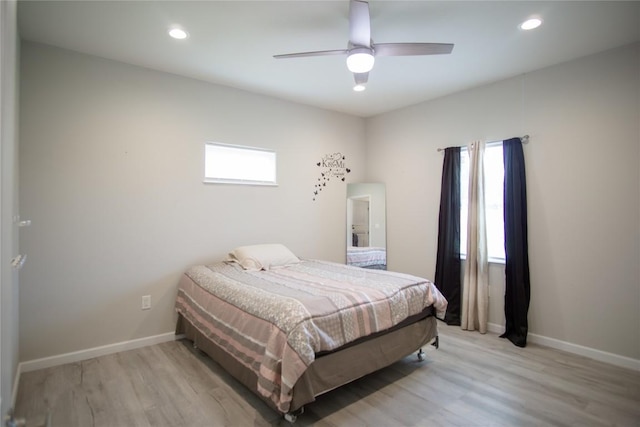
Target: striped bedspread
366,256
274,322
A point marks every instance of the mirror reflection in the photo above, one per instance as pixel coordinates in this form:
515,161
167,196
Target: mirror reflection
366,226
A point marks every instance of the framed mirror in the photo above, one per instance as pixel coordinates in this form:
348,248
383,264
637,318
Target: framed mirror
366,238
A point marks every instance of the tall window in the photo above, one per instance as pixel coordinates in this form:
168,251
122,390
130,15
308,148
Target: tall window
494,202
234,164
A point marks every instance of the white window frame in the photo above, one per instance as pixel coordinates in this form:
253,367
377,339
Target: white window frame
464,201
250,165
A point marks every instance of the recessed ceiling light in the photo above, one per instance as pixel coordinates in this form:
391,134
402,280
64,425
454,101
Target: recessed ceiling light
531,24
178,33
359,88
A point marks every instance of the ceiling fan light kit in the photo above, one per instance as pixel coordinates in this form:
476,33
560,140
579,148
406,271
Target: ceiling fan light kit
360,60
361,51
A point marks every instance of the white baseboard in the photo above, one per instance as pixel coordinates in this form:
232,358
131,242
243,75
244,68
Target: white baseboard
592,353
494,327
77,356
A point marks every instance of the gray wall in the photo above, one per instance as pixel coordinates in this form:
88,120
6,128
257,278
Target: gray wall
112,169
583,190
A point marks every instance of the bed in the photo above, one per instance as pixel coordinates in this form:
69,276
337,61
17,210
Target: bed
367,257
291,329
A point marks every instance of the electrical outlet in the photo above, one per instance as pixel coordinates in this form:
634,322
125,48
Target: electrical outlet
146,302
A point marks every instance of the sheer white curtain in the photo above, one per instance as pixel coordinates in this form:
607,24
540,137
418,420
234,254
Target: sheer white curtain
475,292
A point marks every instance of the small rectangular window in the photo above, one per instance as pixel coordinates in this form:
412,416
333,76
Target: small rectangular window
235,164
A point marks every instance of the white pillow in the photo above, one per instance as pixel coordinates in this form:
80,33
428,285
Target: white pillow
262,257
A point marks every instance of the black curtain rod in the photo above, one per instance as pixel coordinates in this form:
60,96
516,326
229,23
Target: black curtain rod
524,139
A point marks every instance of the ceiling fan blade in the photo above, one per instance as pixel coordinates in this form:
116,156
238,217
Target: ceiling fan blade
316,53
361,78
404,49
359,23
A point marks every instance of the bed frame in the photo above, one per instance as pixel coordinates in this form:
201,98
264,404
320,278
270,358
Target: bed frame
332,369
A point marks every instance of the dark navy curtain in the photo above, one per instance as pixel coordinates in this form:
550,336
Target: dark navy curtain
517,285
447,278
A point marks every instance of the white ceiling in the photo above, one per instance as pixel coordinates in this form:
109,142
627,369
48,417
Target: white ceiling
232,43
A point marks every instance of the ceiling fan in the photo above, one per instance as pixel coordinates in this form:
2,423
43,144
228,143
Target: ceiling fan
361,50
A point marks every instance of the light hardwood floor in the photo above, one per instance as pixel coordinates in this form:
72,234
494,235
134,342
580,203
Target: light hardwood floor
472,380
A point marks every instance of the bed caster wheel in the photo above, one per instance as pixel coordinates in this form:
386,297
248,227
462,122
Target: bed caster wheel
420,355
293,416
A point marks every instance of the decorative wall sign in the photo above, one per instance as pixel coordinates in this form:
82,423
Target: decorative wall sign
332,166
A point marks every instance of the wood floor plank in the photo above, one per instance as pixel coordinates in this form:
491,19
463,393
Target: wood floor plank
472,380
